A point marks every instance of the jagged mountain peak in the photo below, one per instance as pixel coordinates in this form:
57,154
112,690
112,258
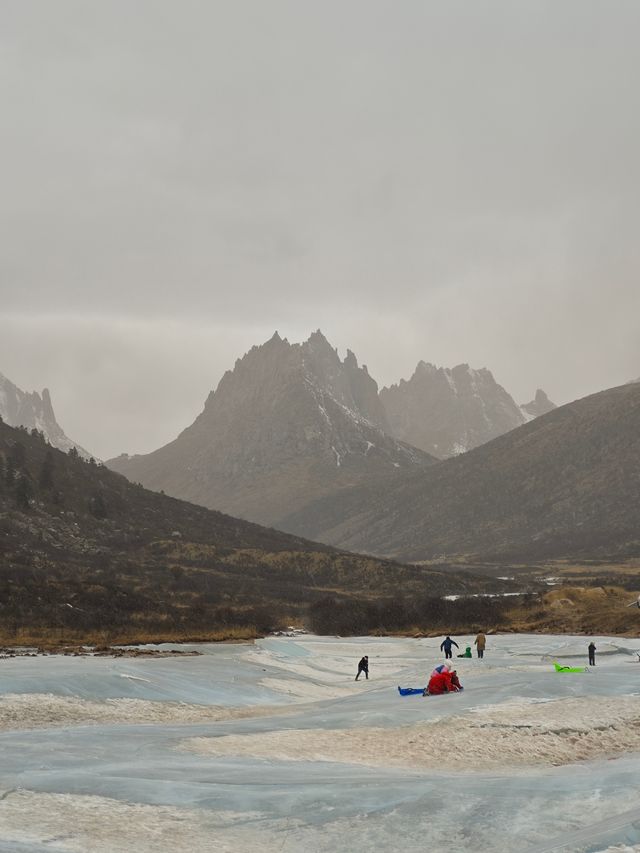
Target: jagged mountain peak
275,343
315,365
541,396
425,370
317,338
540,405
351,361
289,422
34,411
449,410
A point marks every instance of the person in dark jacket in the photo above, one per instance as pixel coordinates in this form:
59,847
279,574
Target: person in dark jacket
445,646
592,653
363,666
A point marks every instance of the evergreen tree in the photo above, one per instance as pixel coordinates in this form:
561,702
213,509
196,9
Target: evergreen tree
18,456
9,471
73,453
46,471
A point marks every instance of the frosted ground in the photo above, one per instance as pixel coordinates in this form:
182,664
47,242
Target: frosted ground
274,747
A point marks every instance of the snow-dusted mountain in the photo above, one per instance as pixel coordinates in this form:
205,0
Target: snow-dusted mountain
447,411
34,411
290,423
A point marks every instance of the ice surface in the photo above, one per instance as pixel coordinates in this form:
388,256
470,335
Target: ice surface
275,747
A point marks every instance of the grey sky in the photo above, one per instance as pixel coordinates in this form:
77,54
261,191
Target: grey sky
450,181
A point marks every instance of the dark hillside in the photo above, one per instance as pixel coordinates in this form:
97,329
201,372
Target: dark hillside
85,553
566,485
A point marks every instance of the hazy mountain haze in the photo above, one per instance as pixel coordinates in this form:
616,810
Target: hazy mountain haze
455,183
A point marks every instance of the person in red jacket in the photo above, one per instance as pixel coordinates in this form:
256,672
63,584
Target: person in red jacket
443,682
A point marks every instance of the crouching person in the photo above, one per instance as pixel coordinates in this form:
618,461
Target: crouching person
443,682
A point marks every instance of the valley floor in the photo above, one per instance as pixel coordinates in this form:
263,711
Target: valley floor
275,747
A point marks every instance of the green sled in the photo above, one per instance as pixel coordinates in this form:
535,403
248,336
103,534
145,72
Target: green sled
569,668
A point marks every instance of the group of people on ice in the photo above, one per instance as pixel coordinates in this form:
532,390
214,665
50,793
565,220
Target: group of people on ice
444,678
447,644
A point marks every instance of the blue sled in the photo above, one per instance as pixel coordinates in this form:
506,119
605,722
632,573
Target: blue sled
410,691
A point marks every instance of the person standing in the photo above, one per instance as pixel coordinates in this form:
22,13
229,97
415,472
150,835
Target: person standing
363,666
592,653
480,641
445,646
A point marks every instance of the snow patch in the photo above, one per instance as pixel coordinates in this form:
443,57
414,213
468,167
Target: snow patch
512,734
459,447
481,595
77,823
44,710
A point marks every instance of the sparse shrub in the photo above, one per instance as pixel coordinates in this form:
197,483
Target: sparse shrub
98,506
23,492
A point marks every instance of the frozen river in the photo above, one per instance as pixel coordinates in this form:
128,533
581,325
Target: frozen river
274,747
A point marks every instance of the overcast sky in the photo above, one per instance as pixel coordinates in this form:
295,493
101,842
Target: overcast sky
447,181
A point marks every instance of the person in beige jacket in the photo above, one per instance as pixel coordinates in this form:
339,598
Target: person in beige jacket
480,641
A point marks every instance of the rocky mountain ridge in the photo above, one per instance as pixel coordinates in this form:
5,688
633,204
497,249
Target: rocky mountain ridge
290,423
34,411
448,411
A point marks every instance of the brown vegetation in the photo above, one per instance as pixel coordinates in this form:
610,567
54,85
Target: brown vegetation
86,556
578,610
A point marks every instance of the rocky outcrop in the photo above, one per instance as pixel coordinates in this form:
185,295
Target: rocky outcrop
34,411
447,411
290,423
540,405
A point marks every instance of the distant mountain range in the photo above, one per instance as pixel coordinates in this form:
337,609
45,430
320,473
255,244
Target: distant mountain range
292,423
450,411
34,411
566,485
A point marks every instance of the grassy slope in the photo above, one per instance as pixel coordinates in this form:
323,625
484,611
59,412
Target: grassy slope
564,485
579,610
91,555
